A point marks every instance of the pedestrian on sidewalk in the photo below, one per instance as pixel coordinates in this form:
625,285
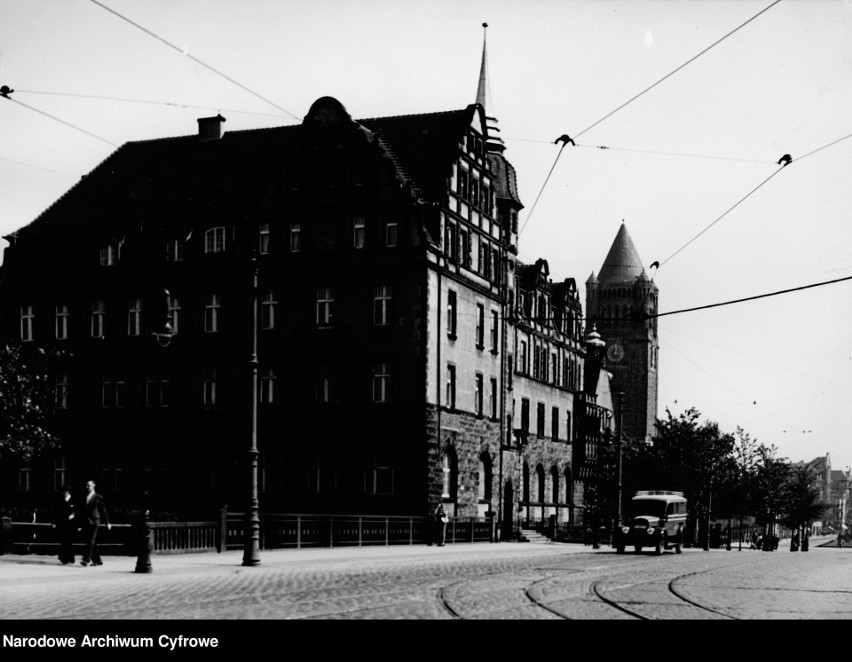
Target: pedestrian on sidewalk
95,514
441,520
65,525
840,539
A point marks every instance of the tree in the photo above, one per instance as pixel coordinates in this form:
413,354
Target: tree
686,455
27,401
770,479
802,499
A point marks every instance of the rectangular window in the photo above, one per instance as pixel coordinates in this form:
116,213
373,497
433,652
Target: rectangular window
494,402
325,306
478,395
174,314
325,391
208,393
24,479
381,305
212,305
539,423
157,390
554,423
480,326
452,314
268,306
134,317
391,238
464,247
322,478
113,389
522,356
268,380
174,250
27,317
60,390
568,426
110,252
359,231
525,414
450,242
495,265
98,319
451,386
214,240
381,382
263,237
495,332
379,474
62,316
295,237
554,368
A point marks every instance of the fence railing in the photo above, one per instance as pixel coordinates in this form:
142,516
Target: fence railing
277,531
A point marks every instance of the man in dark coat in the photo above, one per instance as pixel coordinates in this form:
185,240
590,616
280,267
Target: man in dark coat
65,525
95,515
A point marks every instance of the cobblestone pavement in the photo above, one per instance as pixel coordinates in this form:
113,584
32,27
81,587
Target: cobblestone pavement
464,581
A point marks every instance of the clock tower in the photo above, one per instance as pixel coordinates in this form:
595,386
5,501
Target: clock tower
618,302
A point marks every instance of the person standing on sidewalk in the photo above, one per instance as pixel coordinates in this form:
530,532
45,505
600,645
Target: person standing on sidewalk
65,525
441,520
95,514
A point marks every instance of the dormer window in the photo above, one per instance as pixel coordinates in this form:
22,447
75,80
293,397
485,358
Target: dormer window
111,252
214,240
174,250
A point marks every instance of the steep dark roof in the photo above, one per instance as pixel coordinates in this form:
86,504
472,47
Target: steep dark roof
425,146
171,173
505,179
622,263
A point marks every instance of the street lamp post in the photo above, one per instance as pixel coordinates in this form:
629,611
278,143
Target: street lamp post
251,548
619,440
163,336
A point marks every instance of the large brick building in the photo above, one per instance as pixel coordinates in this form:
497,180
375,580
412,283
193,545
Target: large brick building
346,293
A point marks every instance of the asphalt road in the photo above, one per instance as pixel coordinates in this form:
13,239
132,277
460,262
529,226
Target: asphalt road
463,582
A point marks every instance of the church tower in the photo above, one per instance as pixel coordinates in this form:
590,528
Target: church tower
618,303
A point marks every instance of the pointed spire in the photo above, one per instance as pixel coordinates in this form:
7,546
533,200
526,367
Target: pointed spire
482,88
622,264
494,142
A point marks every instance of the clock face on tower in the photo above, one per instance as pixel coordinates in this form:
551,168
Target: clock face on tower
615,353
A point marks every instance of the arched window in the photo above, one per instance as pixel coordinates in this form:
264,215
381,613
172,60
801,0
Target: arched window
554,485
539,474
569,487
451,475
526,485
484,477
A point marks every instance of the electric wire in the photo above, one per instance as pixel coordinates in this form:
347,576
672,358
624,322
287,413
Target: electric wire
632,99
196,60
30,165
752,298
61,121
146,101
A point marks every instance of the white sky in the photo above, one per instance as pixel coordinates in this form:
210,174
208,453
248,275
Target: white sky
679,157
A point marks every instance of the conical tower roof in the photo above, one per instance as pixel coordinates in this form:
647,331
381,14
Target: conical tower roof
622,264
483,98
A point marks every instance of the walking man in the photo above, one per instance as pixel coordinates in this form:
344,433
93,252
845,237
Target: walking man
95,514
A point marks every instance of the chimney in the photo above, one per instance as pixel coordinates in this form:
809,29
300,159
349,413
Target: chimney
210,128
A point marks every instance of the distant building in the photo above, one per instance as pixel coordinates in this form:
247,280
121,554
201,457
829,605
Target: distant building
621,304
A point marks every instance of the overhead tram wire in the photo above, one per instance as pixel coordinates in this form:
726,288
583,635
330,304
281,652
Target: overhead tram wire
783,162
632,99
752,298
195,59
147,101
61,121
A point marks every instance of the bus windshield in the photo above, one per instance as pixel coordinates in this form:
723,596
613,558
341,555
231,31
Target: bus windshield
655,507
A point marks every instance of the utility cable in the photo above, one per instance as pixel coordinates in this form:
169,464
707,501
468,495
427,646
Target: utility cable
783,162
632,99
77,128
195,59
752,298
158,103
723,215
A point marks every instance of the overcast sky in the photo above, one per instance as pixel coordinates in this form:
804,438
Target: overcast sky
690,165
